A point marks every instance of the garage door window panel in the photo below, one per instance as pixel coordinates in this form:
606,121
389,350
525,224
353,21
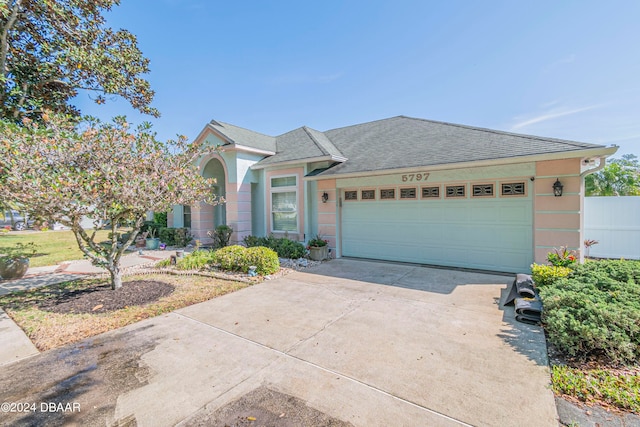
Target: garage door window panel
431,192
351,195
483,190
284,204
408,193
368,195
387,194
513,189
456,191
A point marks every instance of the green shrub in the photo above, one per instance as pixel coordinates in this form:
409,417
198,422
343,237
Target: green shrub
195,260
152,228
174,236
163,263
167,235
231,258
290,249
251,241
596,311
221,236
160,218
268,242
264,259
545,275
284,247
183,237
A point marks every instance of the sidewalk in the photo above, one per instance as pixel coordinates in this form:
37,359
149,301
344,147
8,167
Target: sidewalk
14,343
72,270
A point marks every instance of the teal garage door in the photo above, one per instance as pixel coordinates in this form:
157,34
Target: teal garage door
493,233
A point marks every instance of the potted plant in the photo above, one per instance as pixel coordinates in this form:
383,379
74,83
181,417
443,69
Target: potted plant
14,262
318,248
152,241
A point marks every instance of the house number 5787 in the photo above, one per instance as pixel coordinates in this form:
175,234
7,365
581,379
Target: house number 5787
415,177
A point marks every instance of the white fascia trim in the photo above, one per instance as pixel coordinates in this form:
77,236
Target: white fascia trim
231,145
238,147
216,132
213,130
605,152
300,162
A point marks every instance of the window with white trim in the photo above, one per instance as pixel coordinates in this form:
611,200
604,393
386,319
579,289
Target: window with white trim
284,203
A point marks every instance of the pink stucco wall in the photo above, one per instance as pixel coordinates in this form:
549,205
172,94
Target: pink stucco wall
557,220
327,218
201,222
239,210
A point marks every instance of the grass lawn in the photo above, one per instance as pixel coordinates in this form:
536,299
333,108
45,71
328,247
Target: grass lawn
608,387
49,329
53,246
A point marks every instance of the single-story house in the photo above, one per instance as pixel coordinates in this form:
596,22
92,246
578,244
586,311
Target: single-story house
400,189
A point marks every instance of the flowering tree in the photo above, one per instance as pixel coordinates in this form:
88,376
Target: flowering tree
105,171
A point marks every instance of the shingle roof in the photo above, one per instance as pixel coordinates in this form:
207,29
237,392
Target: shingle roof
396,143
403,142
323,142
245,137
302,143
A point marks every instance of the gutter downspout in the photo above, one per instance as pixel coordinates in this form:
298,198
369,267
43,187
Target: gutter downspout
601,165
594,169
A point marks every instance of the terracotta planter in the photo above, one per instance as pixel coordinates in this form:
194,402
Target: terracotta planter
318,253
13,268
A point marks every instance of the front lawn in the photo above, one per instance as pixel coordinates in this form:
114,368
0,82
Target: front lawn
53,247
56,315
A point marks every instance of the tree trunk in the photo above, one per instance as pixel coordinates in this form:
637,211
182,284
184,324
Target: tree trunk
116,277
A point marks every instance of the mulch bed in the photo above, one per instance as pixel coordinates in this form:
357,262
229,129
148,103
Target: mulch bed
102,299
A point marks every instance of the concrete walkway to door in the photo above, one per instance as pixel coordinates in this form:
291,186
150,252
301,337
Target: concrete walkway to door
368,343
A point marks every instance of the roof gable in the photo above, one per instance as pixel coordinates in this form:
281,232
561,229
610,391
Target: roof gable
241,136
303,144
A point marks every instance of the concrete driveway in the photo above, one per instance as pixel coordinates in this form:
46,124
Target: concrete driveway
366,343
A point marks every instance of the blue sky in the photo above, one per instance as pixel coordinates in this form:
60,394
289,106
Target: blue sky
564,69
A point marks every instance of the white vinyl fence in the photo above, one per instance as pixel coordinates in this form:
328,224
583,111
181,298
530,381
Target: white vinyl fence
615,223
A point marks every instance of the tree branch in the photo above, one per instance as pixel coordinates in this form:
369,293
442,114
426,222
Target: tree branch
4,40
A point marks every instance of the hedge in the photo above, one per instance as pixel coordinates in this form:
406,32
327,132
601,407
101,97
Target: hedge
195,260
264,259
231,258
284,247
595,311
